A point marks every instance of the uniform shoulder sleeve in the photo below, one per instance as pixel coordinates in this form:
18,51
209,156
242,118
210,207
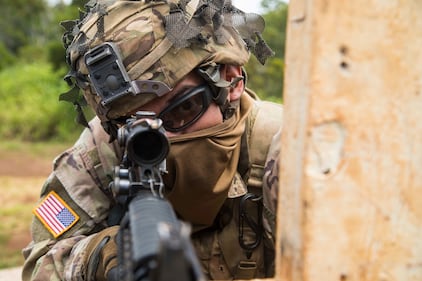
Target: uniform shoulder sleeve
73,206
60,227
85,170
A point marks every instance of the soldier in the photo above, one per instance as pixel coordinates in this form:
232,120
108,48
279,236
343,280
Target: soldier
182,60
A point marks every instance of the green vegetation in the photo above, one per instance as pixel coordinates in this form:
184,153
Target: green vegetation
31,77
34,150
32,67
267,80
31,111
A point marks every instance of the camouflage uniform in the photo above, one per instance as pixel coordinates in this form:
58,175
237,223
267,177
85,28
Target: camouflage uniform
81,176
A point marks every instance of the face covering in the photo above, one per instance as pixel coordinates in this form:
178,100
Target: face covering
201,166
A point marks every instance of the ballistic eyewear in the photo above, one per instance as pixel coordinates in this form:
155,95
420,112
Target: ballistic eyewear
186,109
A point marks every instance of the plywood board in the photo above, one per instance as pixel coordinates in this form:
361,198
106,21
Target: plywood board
351,170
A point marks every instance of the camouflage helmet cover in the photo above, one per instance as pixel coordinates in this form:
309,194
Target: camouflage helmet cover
161,41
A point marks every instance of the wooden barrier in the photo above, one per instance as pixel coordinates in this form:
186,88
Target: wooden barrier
350,205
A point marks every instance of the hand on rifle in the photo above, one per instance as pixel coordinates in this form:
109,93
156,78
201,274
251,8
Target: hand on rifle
101,255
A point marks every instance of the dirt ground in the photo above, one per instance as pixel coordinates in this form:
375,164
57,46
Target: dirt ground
11,274
19,164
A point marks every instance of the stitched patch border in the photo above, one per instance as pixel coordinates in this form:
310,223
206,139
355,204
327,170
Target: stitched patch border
55,214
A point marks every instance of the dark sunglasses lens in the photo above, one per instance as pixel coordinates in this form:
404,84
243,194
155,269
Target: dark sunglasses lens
184,112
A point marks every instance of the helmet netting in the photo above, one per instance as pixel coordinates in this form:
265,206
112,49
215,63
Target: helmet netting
203,27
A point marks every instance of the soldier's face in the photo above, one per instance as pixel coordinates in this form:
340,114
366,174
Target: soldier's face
188,108
178,111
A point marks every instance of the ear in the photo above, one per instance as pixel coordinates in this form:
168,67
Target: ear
232,72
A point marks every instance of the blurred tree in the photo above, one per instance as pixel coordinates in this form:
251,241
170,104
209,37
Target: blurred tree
21,23
79,3
7,58
30,30
61,12
267,80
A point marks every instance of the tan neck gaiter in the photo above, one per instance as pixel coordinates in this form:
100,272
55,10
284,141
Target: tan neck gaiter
201,166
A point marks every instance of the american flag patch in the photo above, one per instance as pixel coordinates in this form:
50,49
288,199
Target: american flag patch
55,214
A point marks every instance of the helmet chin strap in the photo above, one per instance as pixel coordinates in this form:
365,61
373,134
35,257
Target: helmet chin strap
211,74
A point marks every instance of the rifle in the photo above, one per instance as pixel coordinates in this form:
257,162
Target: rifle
153,244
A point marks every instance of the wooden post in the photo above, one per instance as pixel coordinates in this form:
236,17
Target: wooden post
350,205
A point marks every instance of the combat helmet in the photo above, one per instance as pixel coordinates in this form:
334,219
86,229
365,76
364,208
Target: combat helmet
123,54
